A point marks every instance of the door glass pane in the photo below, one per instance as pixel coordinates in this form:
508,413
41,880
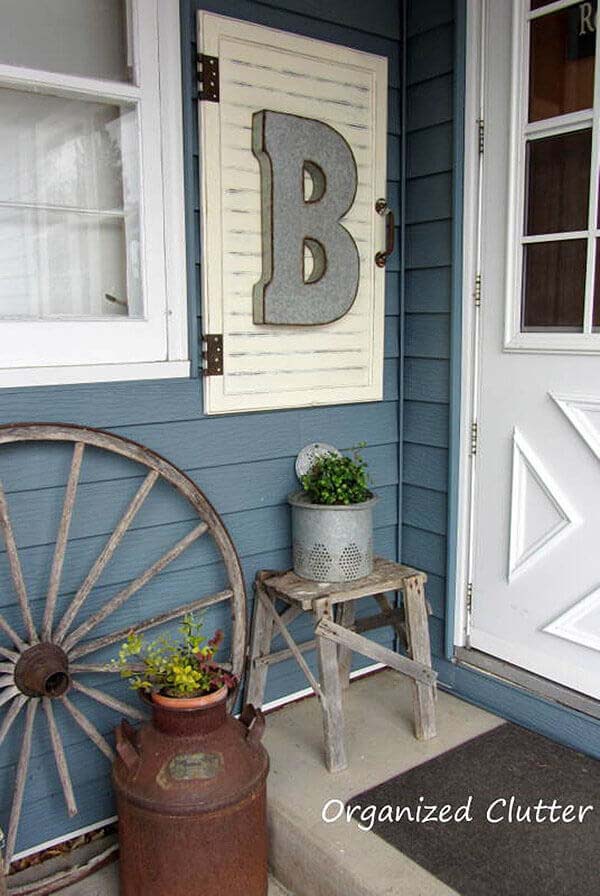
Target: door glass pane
535,4
561,77
558,183
69,208
596,312
554,285
74,37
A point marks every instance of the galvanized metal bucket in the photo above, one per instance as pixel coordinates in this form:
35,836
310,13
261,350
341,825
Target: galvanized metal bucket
332,542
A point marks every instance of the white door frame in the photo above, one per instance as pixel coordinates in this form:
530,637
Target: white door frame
471,296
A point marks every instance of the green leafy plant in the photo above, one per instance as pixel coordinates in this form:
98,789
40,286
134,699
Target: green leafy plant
338,479
184,668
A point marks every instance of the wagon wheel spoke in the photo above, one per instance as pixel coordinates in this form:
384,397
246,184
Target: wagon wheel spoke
11,633
112,702
194,606
15,571
9,654
20,781
60,759
11,714
89,728
61,540
105,555
7,681
119,599
8,694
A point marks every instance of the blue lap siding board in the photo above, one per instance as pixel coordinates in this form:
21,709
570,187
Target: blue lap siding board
245,462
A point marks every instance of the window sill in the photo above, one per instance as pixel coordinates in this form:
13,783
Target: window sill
92,373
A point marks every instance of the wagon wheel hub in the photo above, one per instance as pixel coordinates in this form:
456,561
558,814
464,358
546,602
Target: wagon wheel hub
43,671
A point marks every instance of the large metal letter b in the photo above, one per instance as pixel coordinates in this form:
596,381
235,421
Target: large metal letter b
287,148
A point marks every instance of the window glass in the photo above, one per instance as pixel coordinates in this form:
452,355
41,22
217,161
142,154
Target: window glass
554,285
596,310
73,37
69,207
562,48
558,183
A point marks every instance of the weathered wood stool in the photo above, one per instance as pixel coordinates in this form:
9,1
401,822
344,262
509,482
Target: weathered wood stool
337,634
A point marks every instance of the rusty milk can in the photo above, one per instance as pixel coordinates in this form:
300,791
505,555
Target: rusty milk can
191,798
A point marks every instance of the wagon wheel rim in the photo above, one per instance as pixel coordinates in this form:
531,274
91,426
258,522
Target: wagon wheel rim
41,667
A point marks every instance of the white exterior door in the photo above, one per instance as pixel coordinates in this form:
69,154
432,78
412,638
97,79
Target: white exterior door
536,499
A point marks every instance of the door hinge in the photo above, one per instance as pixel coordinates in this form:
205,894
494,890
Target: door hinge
212,354
208,78
481,132
469,614
477,290
474,438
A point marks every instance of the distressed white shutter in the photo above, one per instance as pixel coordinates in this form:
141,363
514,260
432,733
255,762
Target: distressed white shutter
268,366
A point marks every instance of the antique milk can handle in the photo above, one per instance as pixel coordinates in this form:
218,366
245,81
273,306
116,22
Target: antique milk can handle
127,745
254,720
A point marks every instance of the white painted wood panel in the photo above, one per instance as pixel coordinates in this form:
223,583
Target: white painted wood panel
267,366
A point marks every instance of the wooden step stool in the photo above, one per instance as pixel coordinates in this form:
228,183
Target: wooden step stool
337,634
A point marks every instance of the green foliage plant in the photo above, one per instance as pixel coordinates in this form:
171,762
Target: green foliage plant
184,668
338,479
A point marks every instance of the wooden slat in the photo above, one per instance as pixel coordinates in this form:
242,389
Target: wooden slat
89,728
60,758
386,576
415,670
194,606
329,674
112,702
417,626
119,599
105,555
267,603
11,714
15,569
61,540
20,782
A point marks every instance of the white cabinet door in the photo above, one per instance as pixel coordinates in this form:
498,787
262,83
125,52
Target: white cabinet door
266,366
536,587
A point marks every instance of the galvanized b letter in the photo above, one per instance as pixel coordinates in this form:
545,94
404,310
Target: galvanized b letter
287,148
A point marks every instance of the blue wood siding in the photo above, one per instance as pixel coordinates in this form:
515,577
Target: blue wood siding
244,463
428,295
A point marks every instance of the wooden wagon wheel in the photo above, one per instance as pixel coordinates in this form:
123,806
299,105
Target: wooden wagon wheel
40,667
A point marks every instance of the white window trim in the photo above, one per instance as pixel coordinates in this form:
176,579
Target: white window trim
127,354
544,342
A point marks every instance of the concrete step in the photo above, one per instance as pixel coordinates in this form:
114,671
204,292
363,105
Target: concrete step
318,859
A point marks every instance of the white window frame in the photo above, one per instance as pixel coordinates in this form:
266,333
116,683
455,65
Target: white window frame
51,352
520,131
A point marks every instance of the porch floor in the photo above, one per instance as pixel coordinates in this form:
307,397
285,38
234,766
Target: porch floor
313,858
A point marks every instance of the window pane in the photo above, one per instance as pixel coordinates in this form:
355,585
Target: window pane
554,285
69,207
535,4
74,37
558,183
562,46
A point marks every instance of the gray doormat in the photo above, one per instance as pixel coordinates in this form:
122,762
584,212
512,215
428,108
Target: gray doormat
477,857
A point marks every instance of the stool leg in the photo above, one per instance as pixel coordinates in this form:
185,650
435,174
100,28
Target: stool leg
260,645
345,616
417,628
331,704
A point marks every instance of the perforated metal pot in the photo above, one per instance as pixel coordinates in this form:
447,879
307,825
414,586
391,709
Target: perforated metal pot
332,543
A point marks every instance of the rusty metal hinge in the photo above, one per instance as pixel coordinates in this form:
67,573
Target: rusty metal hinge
477,290
208,78
481,131
474,438
212,354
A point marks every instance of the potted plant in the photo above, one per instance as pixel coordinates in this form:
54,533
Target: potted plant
332,519
177,674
